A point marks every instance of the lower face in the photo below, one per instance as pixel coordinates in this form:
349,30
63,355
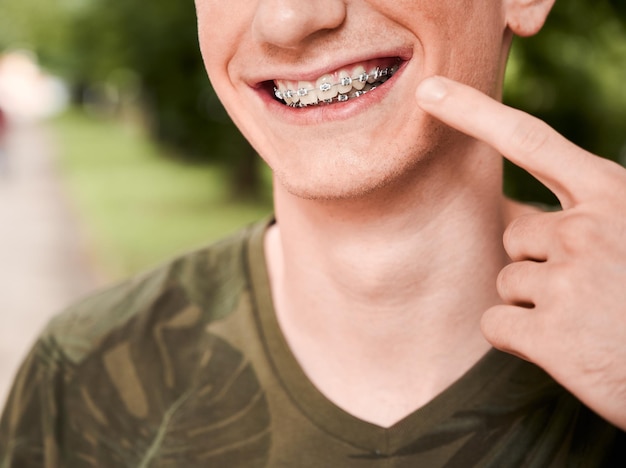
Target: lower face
303,107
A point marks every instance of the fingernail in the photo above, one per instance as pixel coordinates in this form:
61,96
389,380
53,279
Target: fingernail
431,89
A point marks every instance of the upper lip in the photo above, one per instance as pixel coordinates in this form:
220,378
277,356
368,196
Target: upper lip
300,73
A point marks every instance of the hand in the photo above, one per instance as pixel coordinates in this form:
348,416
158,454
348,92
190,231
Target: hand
565,291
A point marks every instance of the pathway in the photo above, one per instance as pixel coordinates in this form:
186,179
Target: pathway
42,263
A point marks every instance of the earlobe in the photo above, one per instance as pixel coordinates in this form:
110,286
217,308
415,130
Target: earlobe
526,17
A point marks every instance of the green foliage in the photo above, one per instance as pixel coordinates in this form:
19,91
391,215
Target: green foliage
132,47
158,42
572,75
140,206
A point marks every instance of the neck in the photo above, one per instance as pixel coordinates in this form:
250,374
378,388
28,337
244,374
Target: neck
408,270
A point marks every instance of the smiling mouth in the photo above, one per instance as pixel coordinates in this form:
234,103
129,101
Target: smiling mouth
342,86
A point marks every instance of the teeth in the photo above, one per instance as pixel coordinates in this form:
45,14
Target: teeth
372,75
326,87
345,82
291,97
360,79
307,93
349,86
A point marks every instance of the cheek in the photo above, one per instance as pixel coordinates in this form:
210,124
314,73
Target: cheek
220,29
475,48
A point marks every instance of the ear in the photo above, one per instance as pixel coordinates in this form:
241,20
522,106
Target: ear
526,17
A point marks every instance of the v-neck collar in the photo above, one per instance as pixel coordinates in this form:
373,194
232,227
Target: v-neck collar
333,419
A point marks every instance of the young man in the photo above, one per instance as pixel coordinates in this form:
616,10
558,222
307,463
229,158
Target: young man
356,329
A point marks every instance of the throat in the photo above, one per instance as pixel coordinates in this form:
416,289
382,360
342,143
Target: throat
384,383
382,317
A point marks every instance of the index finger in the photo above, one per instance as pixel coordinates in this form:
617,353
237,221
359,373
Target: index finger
523,139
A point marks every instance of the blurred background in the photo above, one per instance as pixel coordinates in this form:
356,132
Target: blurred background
115,153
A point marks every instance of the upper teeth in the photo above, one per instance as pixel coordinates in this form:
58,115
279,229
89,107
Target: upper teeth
327,91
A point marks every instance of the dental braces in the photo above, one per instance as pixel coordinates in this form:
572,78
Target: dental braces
339,98
378,75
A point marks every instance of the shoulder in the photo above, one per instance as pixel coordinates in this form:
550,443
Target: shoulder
194,289
116,366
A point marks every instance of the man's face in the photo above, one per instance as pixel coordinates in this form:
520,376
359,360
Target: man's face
339,127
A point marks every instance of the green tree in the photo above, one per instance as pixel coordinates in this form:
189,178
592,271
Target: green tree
570,76
157,42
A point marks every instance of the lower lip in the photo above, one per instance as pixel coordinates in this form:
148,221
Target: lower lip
315,115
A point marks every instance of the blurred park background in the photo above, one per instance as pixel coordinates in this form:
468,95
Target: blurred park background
109,109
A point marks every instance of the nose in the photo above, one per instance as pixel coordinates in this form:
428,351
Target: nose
289,23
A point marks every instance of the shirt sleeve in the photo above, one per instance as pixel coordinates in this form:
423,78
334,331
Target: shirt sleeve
29,426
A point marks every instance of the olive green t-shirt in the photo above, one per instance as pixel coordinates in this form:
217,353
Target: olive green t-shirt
186,367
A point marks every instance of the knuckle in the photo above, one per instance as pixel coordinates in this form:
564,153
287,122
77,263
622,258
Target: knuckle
597,361
530,135
576,233
562,282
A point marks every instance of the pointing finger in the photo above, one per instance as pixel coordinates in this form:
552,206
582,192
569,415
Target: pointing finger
525,140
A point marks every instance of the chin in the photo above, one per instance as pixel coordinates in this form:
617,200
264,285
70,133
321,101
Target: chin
348,174
350,182
329,191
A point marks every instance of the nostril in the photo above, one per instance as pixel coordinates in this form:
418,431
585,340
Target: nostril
287,23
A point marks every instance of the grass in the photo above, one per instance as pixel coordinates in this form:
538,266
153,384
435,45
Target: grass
138,206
